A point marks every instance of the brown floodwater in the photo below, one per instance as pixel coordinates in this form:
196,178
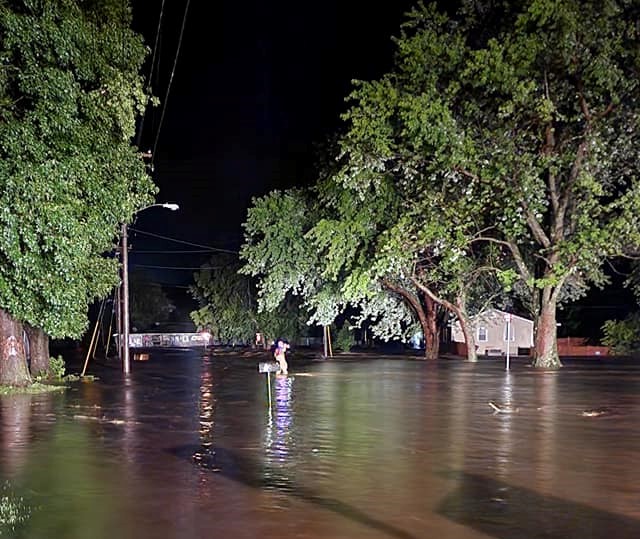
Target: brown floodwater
187,447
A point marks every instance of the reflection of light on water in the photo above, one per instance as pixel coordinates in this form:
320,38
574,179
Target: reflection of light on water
505,435
278,432
280,449
130,438
206,408
546,443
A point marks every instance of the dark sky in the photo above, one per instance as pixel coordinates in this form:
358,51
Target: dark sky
256,86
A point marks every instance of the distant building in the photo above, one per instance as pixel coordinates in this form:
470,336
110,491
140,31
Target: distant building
490,329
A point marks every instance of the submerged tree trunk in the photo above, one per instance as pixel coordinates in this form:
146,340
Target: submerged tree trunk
13,363
466,326
38,350
545,352
430,330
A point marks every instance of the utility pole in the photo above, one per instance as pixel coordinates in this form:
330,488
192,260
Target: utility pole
124,319
124,296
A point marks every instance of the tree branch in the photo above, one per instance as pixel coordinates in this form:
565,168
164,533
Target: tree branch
441,301
568,190
406,295
538,232
515,251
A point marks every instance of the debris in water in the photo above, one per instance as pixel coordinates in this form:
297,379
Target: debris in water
595,413
498,410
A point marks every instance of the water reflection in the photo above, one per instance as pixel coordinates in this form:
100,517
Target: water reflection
206,411
505,440
15,426
357,449
278,434
547,419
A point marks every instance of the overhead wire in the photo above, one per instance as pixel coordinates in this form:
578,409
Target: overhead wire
173,70
169,252
191,268
151,68
208,247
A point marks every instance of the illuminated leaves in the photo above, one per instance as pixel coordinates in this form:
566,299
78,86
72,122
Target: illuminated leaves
70,92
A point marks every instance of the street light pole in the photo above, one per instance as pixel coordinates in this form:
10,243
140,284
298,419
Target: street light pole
124,318
126,365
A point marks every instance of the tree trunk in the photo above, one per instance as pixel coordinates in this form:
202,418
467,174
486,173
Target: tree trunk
429,322
469,335
38,350
545,350
13,363
466,326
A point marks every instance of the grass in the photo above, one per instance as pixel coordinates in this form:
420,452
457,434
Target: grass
36,387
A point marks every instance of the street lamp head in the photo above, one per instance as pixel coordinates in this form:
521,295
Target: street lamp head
172,207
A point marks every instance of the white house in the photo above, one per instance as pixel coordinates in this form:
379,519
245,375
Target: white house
495,330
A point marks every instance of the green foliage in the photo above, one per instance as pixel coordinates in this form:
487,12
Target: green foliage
280,254
229,309
57,367
345,339
34,389
515,126
70,91
623,336
149,303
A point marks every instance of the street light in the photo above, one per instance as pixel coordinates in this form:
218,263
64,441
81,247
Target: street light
124,345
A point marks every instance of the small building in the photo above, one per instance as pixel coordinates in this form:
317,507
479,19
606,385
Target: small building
495,330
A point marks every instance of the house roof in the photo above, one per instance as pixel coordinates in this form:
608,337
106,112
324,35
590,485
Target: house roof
492,314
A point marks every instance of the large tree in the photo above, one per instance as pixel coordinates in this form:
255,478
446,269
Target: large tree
228,305
402,241
292,243
524,117
149,303
70,92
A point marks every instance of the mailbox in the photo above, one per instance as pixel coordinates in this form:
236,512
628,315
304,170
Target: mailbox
268,366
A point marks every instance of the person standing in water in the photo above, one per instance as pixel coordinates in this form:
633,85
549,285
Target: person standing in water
279,354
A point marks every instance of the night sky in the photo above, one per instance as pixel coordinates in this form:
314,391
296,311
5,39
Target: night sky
257,86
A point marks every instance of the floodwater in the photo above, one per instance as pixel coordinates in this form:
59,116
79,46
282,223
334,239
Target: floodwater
187,447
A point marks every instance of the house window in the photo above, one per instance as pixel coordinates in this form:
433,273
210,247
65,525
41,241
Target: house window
512,332
482,334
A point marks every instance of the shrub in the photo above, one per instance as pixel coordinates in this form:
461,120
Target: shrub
344,338
57,367
623,336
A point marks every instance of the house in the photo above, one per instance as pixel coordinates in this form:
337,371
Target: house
494,331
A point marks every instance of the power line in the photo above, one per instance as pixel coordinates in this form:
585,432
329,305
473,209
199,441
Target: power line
167,252
173,70
172,285
149,266
153,63
208,247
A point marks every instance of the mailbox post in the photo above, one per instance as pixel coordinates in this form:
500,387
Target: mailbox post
268,367
507,319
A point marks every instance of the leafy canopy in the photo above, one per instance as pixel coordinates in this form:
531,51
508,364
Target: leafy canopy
70,92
